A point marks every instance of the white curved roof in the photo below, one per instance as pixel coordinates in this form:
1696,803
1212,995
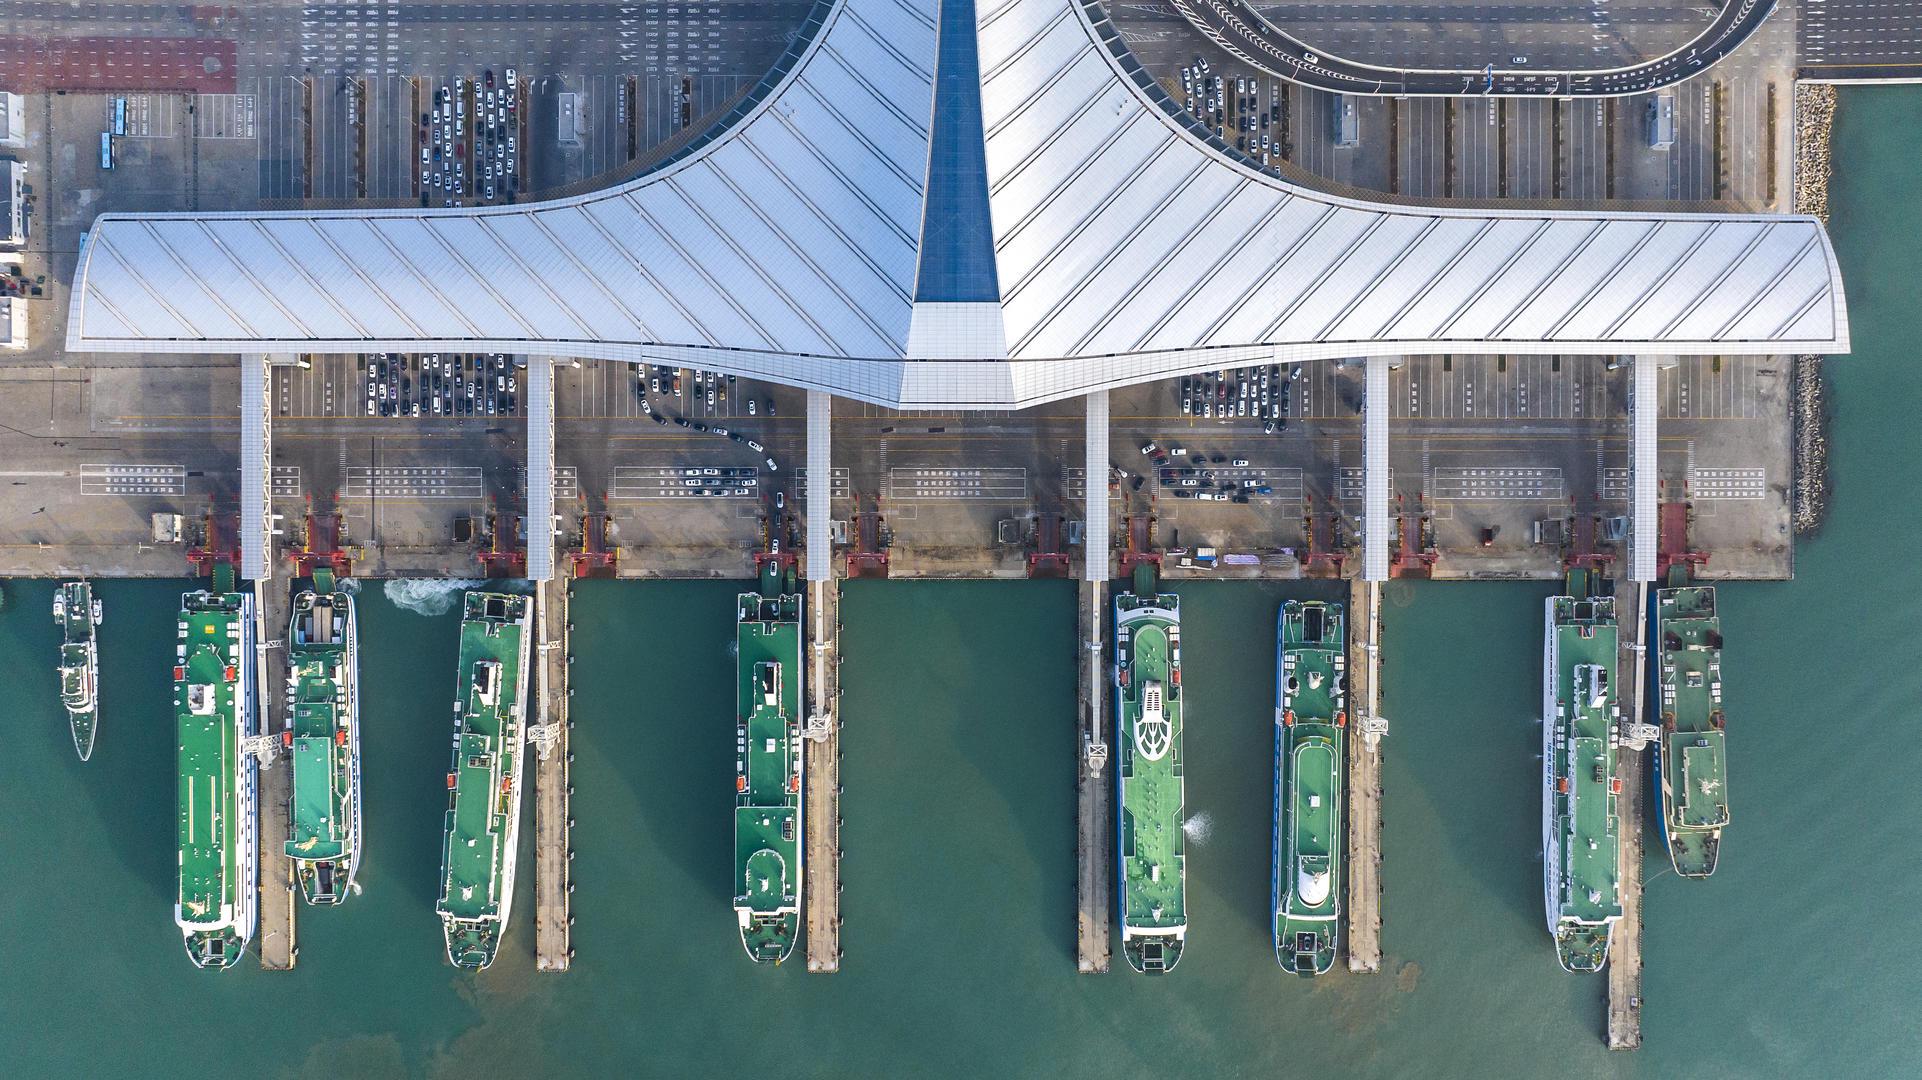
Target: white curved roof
1124,248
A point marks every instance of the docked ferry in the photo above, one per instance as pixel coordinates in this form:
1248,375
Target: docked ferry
323,736
484,779
1581,827
219,810
768,841
1311,719
1148,698
77,612
1692,763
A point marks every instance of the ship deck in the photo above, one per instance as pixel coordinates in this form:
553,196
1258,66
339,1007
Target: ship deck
208,749
1591,846
77,624
486,749
1152,842
322,780
767,840
1691,687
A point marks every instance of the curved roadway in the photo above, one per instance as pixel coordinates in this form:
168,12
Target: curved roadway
1246,34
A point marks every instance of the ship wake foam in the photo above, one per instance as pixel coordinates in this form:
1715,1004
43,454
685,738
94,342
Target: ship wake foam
428,596
1198,828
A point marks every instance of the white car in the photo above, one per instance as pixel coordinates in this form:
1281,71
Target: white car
1240,463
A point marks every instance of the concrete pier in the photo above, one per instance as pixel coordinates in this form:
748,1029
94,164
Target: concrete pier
1363,909
279,946
821,758
822,813
553,784
1625,945
1094,788
1094,785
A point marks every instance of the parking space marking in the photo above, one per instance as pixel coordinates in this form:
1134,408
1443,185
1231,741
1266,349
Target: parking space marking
133,480
1348,483
837,483
637,482
989,483
224,116
1615,484
1728,483
415,482
1282,483
567,482
1499,484
285,482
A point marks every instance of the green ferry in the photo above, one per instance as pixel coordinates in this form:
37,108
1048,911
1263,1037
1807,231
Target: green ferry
1311,719
1152,892
1691,766
484,780
1581,827
218,813
77,612
767,767
323,698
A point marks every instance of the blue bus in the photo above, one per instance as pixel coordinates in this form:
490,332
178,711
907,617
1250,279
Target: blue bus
120,116
106,149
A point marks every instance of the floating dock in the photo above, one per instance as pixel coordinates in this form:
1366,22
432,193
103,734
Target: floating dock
1625,946
279,945
1364,777
1094,787
821,767
553,784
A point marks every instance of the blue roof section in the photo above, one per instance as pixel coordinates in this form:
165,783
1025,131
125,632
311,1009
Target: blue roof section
957,236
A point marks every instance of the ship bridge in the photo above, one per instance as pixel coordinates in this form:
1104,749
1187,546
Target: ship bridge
964,205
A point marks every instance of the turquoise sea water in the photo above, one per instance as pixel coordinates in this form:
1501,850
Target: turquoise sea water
1797,959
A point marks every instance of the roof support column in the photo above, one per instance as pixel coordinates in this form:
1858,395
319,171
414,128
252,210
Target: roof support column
256,468
820,486
540,468
1374,469
1095,542
1644,401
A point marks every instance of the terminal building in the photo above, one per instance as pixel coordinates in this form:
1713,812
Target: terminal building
951,204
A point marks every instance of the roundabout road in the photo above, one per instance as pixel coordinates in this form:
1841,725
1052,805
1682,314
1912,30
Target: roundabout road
1248,35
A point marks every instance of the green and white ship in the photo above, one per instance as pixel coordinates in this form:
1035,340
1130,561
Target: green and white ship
1148,698
323,735
1311,720
484,780
1692,764
77,613
767,768
219,818
1581,828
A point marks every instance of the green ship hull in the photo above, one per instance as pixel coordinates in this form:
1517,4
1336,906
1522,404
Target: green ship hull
324,738
218,818
77,614
484,780
1310,723
1692,760
1581,826
1148,702
767,769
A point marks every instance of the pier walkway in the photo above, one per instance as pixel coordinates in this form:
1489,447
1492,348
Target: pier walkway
1625,945
553,783
278,943
1094,787
822,812
1363,911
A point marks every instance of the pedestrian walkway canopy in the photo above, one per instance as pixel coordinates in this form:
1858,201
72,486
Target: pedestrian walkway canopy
930,204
